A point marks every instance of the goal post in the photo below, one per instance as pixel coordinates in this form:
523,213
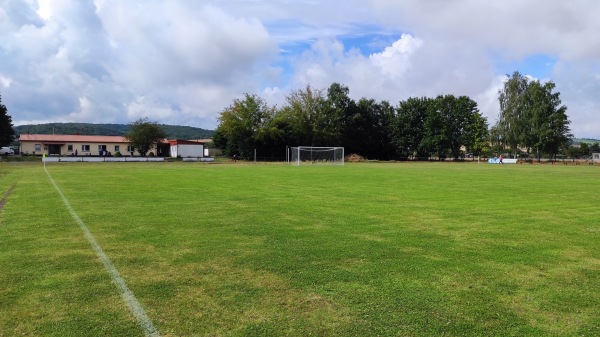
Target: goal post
315,155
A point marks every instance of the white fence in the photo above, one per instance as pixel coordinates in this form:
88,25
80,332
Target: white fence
101,159
203,159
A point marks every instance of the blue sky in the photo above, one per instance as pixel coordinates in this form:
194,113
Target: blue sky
539,66
182,62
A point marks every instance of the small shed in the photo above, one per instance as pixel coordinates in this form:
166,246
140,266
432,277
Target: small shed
186,148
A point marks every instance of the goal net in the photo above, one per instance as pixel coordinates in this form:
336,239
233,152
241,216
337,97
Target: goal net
311,155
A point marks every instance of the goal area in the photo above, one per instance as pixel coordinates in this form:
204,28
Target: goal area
311,155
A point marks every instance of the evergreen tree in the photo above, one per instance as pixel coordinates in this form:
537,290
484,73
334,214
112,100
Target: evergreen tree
7,133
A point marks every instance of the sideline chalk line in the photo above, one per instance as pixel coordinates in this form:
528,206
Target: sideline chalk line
136,308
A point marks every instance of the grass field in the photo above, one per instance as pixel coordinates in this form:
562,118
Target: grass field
401,249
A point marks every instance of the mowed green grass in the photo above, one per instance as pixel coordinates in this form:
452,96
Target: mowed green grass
395,249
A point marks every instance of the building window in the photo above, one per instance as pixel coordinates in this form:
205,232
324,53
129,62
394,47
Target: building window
85,148
117,148
130,148
38,147
70,147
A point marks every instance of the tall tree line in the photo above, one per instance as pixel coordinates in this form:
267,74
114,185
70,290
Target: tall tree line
415,128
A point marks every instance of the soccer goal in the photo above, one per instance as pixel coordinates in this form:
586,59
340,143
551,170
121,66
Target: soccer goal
311,155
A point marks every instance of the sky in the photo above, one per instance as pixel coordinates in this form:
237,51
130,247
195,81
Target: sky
181,62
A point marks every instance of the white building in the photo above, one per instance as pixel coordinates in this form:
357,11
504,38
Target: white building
186,148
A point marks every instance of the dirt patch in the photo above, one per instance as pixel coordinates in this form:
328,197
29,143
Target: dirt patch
6,195
354,158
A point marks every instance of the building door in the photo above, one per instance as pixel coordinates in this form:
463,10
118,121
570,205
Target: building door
54,149
163,150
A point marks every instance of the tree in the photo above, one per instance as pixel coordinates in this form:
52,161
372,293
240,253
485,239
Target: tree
554,132
361,133
219,139
339,107
241,125
547,128
408,128
7,133
572,151
459,114
434,138
369,129
452,123
495,139
384,115
477,135
144,135
275,136
511,122
307,113
584,149
531,116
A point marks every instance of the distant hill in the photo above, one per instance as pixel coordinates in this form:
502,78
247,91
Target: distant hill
589,141
173,131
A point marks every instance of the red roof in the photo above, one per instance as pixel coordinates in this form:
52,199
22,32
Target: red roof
72,138
182,142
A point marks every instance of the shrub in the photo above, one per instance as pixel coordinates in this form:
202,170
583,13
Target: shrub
118,154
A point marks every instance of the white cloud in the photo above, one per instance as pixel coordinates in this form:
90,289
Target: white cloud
143,106
181,44
110,54
395,60
409,67
5,81
518,28
579,85
181,62
487,100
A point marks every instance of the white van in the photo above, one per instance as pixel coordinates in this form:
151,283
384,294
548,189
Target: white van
6,151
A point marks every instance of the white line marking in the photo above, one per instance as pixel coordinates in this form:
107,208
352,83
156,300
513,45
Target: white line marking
136,308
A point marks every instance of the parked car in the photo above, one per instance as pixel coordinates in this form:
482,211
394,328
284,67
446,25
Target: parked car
6,151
